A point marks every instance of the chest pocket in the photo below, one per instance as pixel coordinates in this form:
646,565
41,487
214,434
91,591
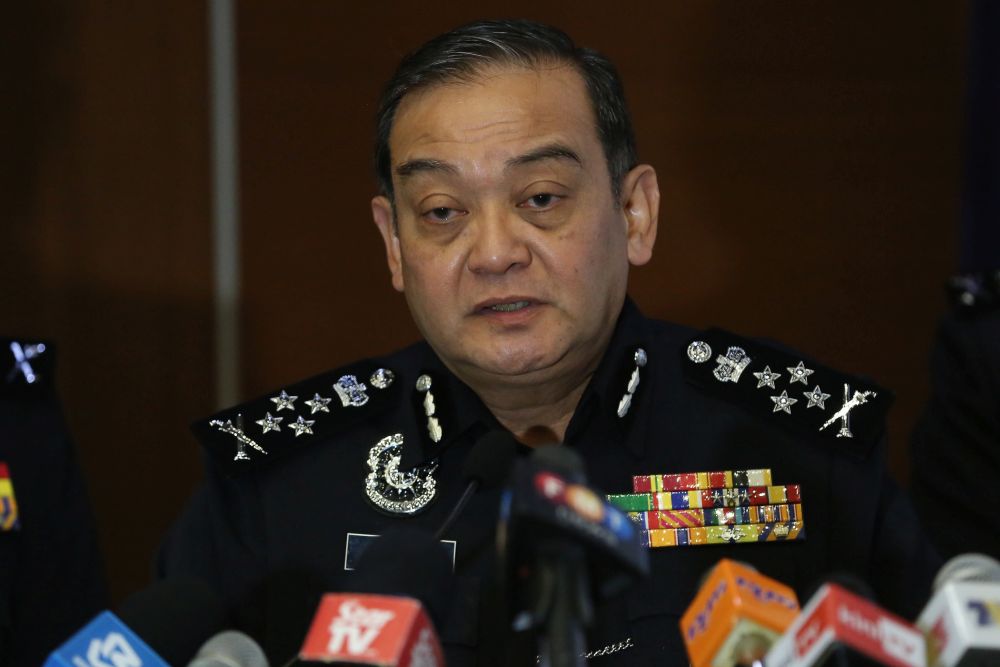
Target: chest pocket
655,606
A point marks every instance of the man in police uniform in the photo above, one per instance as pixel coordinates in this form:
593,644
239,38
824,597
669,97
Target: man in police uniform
51,575
512,206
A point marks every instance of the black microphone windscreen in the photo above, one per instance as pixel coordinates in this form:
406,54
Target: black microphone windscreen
561,459
846,580
410,562
174,617
490,459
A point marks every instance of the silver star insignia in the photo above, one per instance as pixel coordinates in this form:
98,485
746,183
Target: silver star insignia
800,373
284,401
766,378
318,404
301,426
816,397
784,402
269,423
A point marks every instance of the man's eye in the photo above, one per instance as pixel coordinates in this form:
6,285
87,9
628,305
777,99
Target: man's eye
441,214
540,201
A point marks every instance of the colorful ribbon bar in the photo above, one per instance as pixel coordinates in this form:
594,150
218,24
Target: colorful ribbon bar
718,516
742,496
694,481
757,532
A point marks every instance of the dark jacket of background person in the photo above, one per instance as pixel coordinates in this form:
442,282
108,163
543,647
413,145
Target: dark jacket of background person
51,573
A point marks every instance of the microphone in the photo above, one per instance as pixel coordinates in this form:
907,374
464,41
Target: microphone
962,619
485,467
390,631
736,616
838,628
159,626
230,649
558,541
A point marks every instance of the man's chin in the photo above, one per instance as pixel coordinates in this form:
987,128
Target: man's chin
515,367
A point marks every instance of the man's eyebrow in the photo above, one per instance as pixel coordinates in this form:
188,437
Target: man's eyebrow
548,152
411,167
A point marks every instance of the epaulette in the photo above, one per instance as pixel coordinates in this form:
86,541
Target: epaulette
26,367
276,425
845,411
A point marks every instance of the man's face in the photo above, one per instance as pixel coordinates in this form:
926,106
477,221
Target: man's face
509,246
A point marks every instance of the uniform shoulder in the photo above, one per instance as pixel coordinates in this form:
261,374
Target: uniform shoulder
775,383
277,424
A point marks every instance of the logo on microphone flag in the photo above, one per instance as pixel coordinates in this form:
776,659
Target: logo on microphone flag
372,630
104,642
835,616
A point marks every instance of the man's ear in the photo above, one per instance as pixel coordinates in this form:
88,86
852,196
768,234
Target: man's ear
641,197
384,220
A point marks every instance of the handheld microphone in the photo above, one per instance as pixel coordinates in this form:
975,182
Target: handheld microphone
159,626
230,649
736,616
962,619
388,631
559,541
485,467
837,627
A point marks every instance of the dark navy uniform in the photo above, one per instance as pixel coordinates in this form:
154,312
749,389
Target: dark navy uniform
292,508
956,444
51,575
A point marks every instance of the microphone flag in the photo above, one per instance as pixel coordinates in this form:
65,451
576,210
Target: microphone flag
836,617
383,630
105,642
736,612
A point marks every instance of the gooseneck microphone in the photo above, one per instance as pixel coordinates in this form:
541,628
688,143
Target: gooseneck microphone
486,467
562,589
561,545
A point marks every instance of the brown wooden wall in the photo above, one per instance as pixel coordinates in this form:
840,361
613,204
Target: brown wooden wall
808,157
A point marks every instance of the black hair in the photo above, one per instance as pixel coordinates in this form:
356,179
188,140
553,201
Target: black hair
461,54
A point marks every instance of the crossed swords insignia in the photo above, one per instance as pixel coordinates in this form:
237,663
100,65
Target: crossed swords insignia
242,439
851,401
22,358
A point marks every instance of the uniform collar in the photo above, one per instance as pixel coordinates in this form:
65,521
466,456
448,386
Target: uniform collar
599,406
461,414
458,411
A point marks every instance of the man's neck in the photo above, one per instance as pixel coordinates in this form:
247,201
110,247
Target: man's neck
537,414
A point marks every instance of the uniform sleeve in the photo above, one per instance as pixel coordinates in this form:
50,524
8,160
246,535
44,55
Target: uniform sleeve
218,538
955,451
903,561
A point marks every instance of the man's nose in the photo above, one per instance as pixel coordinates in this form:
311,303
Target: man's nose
498,243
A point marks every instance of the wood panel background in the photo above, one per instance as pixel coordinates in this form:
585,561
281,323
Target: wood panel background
808,156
